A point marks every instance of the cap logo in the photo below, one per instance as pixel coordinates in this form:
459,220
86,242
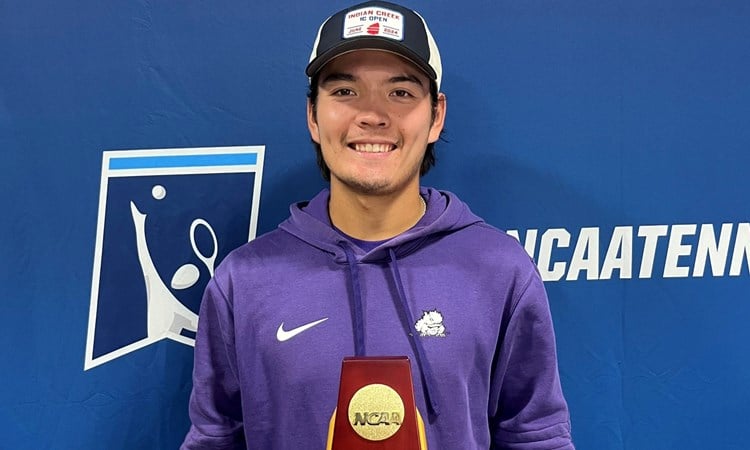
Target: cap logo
373,21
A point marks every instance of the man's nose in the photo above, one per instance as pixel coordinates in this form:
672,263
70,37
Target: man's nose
373,112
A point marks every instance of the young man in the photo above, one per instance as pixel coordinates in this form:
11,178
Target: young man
376,265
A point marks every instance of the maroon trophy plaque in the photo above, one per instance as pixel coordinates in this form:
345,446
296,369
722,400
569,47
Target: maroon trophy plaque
376,408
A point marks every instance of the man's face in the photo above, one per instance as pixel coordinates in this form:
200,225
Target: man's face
373,121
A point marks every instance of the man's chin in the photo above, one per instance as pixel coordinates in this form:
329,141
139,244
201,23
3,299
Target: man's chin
369,187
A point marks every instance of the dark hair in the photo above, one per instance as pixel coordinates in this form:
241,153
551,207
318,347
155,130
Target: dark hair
429,155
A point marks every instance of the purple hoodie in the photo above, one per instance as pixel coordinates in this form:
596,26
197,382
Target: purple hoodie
460,298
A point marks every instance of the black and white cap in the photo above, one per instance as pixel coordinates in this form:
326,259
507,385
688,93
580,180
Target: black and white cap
379,26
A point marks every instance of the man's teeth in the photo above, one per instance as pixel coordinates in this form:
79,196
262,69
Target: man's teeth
373,148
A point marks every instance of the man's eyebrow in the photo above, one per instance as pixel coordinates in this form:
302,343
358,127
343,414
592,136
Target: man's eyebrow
336,76
405,78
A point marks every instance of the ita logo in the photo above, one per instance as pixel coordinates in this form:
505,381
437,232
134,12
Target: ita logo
166,219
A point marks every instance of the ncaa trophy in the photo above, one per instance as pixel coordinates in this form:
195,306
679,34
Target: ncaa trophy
375,408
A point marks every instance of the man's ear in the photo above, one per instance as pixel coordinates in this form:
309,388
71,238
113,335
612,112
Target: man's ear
439,119
312,123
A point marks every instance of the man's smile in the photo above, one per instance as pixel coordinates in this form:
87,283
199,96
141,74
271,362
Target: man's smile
372,147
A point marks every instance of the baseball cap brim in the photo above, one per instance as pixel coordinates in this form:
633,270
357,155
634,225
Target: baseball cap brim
368,43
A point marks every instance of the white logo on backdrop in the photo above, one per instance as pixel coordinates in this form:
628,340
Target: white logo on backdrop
165,212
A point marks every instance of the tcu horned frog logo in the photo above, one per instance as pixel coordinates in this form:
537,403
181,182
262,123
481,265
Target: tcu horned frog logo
431,324
166,219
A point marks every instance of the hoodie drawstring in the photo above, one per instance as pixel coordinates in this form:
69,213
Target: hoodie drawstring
428,379
424,365
358,313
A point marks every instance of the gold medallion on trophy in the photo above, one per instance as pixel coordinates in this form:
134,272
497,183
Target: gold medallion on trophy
376,412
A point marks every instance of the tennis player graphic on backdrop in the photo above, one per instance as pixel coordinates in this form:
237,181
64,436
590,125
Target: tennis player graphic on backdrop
166,219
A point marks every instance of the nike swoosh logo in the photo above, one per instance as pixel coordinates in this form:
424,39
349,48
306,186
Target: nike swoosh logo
284,335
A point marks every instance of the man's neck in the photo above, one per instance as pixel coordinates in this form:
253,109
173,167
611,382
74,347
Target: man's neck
375,217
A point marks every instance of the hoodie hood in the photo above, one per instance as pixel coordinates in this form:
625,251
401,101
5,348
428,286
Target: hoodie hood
309,221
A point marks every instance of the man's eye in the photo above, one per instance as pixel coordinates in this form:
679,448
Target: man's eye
401,93
343,92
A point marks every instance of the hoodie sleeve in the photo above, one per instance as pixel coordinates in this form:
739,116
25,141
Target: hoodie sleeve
215,405
528,410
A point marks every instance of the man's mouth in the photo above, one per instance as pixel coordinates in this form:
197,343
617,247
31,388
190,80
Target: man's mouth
372,148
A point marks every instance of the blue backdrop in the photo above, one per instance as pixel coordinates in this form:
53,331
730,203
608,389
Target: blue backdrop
610,136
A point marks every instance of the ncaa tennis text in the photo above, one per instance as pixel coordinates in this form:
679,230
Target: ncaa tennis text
646,251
